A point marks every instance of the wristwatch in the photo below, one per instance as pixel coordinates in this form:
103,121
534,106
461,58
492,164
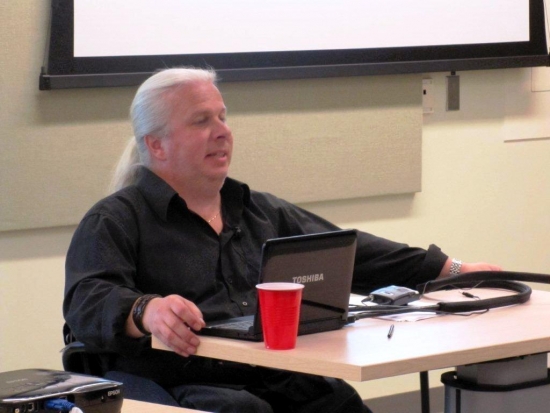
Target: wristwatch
139,309
456,265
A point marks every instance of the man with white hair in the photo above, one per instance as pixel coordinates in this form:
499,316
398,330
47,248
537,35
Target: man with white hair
179,242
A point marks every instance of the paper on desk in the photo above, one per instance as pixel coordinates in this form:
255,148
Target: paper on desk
356,299
414,316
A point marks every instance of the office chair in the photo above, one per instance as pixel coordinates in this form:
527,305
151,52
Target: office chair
76,358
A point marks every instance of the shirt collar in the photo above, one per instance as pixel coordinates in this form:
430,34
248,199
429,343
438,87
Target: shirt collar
235,197
156,191
161,196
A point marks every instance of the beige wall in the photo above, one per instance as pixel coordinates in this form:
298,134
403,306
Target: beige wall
60,146
482,198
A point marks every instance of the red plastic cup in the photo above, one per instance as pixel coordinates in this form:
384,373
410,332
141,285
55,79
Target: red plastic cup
280,312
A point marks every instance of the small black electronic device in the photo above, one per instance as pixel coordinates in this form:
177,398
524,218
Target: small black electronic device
393,295
35,390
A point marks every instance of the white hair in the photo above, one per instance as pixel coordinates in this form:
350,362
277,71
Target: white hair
150,113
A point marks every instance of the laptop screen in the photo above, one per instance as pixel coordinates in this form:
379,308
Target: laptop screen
323,262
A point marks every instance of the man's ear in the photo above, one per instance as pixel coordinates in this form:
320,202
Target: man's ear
155,145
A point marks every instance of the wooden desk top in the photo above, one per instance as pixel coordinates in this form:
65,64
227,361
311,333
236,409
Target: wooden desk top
362,351
134,406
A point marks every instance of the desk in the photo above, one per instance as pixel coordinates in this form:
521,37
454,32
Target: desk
362,351
134,406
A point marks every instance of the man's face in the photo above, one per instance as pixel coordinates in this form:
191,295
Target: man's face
200,143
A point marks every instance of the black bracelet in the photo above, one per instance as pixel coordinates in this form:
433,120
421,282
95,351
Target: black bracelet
139,309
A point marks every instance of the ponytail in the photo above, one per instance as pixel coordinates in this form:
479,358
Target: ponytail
125,173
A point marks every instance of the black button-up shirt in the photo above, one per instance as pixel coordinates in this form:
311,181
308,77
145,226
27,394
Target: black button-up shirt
144,239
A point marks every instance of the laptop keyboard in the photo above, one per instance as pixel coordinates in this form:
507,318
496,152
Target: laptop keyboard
237,325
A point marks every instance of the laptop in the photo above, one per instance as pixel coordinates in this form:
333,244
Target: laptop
323,262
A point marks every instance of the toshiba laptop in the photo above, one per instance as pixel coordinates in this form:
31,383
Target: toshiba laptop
323,262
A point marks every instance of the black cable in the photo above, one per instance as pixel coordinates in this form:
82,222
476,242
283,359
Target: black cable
485,279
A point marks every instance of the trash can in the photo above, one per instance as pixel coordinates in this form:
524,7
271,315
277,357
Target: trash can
515,385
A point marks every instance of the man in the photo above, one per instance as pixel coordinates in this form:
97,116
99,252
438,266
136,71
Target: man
179,243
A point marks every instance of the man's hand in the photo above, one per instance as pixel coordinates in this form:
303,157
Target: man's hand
172,320
479,266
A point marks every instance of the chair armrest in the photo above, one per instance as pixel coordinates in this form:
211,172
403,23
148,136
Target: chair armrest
76,358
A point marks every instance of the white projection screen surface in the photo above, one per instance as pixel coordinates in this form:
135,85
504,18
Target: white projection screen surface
118,42
163,27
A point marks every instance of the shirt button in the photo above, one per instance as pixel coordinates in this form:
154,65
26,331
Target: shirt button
245,303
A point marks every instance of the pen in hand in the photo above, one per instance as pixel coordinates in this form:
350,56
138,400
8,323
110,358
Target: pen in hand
390,333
